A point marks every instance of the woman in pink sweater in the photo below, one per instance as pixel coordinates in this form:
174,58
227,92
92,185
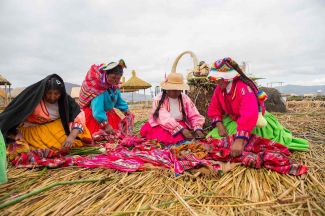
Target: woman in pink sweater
174,116
237,107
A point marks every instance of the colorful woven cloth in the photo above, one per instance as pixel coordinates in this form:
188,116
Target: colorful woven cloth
258,152
126,125
133,153
43,158
123,129
94,84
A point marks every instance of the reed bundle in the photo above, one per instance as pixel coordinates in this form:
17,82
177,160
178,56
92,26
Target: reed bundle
242,191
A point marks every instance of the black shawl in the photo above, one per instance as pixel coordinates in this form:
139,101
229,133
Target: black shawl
25,103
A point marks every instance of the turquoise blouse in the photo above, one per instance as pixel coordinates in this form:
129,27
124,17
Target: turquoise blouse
105,102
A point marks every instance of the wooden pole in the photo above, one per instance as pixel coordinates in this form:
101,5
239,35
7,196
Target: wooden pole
132,97
6,96
9,93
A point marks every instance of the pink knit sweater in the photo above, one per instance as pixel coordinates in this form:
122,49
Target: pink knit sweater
195,120
240,104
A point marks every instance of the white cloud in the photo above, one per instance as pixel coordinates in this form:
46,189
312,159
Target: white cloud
280,40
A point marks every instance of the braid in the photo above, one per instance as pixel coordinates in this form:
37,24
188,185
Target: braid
183,110
162,99
248,81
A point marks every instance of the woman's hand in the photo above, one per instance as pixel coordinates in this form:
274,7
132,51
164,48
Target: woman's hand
68,143
199,134
109,129
237,147
187,134
222,130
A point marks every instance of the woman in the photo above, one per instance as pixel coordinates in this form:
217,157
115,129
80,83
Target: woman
44,116
237,107
174,116
99,94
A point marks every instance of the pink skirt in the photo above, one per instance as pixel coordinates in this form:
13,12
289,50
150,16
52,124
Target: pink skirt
161,134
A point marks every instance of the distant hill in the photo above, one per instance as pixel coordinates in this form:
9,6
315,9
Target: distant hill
16,91
287,89
136,97
300,90
126,96
68,86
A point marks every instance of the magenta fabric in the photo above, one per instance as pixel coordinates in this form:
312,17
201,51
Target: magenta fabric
240,104
131,156
94,84
161,134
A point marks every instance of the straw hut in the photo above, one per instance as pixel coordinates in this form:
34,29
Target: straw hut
2,97
201,91
134,84
4,82
124,90
75,93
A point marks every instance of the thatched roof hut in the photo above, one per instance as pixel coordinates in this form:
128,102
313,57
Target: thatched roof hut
126,90
2,97
2,93
201,91
75,92
135,83
6,83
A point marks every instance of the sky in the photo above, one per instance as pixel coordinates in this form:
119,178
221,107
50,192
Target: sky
281,41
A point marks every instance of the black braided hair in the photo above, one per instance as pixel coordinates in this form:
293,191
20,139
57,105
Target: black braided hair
183,109
55,84
248,81
162,99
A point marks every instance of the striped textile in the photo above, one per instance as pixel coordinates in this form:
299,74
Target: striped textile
258,152
93,85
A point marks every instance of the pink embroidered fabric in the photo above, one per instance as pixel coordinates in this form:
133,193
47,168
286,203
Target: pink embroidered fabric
129,153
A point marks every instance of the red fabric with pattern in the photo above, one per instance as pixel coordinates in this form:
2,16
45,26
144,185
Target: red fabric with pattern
258,153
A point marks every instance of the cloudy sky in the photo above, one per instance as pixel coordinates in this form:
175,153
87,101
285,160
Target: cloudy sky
280,40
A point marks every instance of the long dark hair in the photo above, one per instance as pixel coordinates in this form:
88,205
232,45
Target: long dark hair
183,109
161,101
246,80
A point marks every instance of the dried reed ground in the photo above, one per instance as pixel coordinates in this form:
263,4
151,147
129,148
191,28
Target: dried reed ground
243,191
